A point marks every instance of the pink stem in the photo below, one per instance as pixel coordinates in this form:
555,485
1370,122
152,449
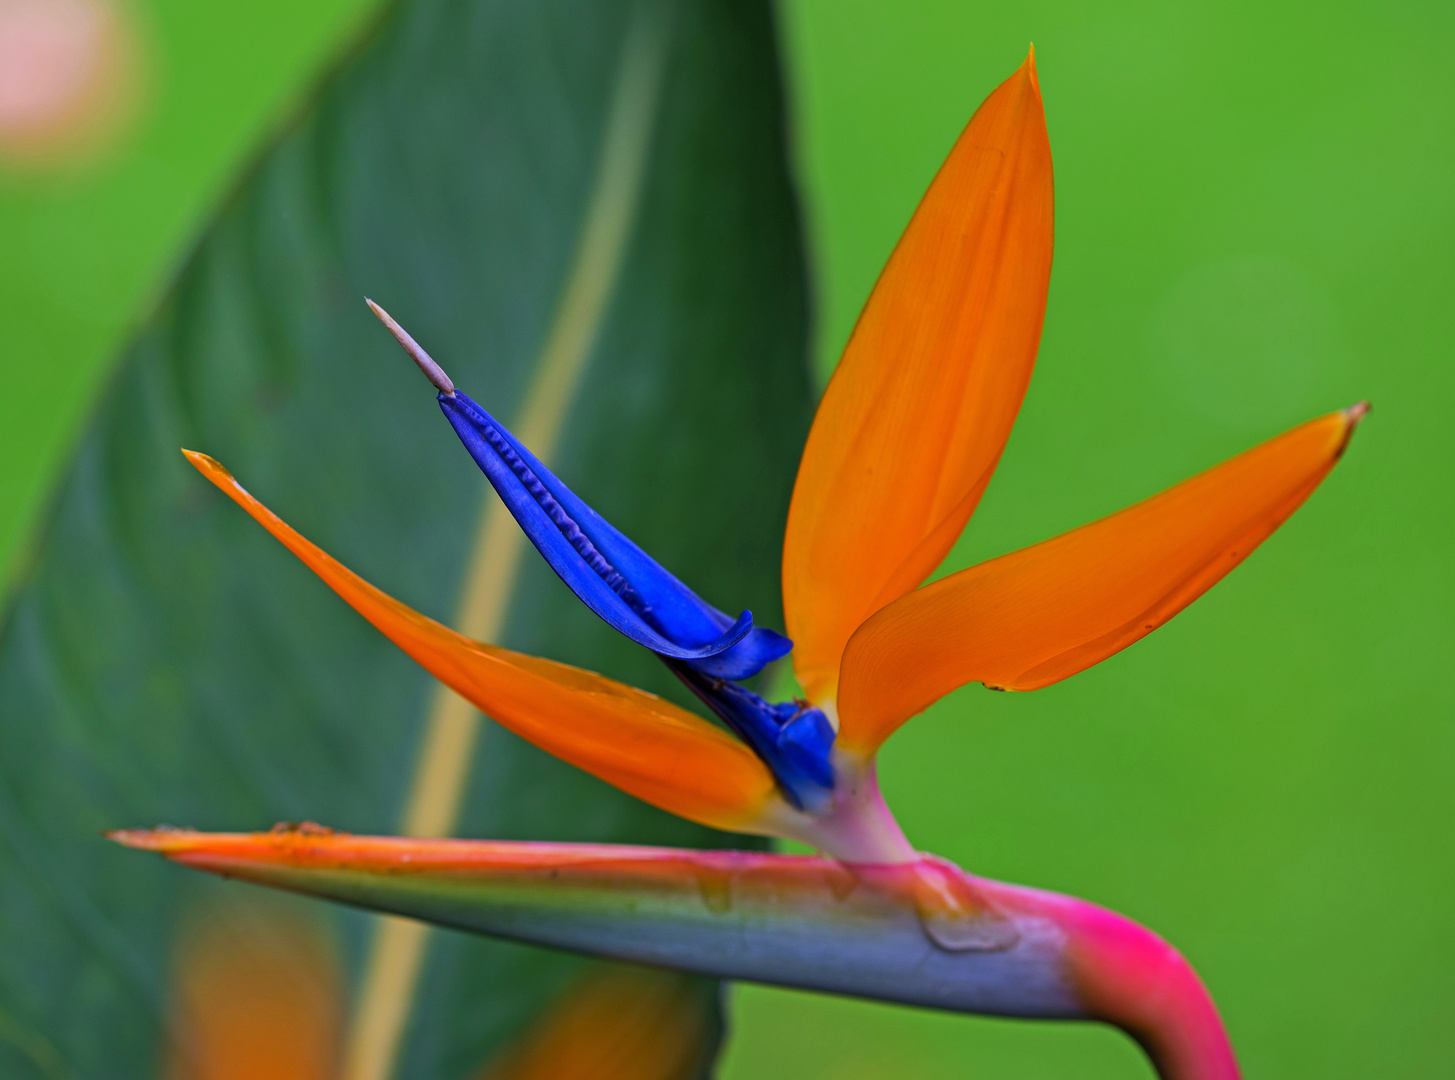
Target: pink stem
1125,974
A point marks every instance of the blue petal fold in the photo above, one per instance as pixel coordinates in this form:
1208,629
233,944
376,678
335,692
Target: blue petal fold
616,579
792,738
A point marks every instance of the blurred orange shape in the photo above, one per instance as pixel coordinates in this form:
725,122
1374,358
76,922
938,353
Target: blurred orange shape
257,994
919,408
618,1023
1041,614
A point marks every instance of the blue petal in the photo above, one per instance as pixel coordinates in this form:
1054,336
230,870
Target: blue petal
793,739
614,578
748,657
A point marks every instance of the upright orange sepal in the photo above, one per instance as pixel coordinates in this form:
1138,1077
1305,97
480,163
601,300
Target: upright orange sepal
634,740
1038,615
918,411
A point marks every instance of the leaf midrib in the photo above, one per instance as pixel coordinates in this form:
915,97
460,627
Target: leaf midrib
452,726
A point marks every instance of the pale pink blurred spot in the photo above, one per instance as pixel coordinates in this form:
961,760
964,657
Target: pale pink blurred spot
67,75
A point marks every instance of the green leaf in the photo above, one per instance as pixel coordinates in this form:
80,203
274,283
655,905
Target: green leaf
576,206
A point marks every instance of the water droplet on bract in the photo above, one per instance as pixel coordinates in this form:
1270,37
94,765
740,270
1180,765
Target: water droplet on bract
963,932
716,889
954,915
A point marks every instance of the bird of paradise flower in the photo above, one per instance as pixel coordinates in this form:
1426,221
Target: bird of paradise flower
904,443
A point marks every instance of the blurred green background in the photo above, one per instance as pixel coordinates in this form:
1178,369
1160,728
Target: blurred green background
1255,223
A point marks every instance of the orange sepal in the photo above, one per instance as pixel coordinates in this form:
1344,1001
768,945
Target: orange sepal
1038,615
917,413
634,740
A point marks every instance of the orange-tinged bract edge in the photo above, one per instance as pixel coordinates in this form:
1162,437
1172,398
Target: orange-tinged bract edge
1038,615
634,740
915,417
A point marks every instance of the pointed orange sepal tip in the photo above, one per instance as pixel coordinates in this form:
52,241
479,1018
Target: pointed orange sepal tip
618,1023
642,744
213,470
1041,614
916,415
